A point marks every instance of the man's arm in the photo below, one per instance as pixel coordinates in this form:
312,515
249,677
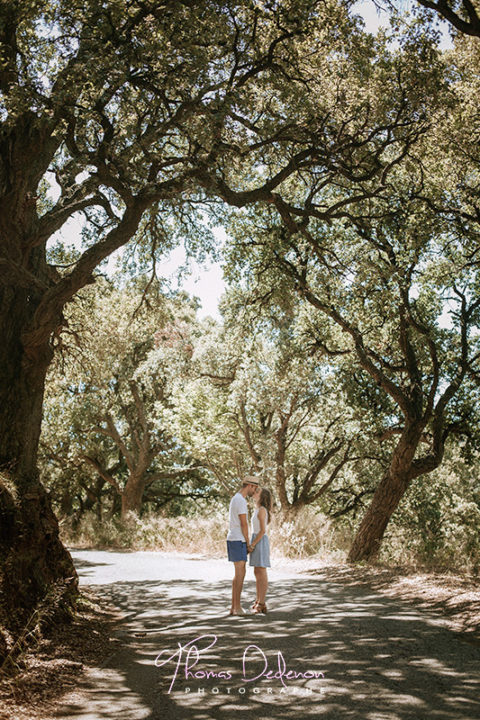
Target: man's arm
244,526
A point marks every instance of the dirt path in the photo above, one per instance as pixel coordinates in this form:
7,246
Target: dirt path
351,651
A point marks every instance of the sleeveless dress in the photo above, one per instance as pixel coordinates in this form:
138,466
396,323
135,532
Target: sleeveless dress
260,557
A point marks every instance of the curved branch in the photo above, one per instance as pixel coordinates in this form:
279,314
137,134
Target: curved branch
48,314
442,8
102,472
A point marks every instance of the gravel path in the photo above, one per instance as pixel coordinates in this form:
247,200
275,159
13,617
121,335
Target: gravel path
322,650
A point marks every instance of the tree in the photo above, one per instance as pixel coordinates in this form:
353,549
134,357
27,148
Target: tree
463,15
106,408
255,400
386,279
397,231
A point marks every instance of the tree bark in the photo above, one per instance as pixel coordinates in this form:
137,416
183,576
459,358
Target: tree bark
132,496
32,558
387,496
291,512
369,535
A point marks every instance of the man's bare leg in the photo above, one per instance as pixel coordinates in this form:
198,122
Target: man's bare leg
237,585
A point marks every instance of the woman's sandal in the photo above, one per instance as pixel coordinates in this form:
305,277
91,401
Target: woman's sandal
259,608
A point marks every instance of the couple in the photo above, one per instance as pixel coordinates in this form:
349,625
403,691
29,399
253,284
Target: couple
238,544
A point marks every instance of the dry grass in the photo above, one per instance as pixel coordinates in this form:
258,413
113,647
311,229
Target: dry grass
310,534
50,668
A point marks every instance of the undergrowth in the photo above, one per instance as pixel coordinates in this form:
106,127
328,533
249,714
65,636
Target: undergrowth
309,534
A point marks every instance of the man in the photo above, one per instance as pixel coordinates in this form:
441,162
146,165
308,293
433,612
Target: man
237,539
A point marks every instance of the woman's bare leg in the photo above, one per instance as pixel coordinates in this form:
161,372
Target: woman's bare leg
261,581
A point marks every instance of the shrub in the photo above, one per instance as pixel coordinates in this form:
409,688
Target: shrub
436,525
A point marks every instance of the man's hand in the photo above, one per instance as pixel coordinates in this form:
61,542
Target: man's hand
243,524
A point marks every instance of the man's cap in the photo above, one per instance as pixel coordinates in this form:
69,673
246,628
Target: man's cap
251,480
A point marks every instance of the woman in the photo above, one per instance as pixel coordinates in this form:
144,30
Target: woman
259,547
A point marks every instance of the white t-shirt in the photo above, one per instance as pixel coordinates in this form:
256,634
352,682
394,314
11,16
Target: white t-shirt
238,506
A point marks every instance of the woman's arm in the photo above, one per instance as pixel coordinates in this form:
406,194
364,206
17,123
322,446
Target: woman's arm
262,519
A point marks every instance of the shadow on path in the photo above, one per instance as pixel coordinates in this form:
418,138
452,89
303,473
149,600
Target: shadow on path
380,659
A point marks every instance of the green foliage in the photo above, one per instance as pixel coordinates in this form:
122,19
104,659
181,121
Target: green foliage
106,404
436,526
256,399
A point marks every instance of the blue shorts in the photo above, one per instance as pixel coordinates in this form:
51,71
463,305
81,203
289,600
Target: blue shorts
237,550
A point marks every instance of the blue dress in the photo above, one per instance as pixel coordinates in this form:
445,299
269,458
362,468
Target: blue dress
260,557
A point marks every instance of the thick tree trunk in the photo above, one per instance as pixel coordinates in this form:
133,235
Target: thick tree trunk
32,558
132,496
387,496
94,497
369,536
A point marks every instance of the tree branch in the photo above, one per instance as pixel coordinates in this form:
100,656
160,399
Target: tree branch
102,472
442,8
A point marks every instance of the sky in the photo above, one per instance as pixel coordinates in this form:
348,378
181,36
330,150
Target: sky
205,281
